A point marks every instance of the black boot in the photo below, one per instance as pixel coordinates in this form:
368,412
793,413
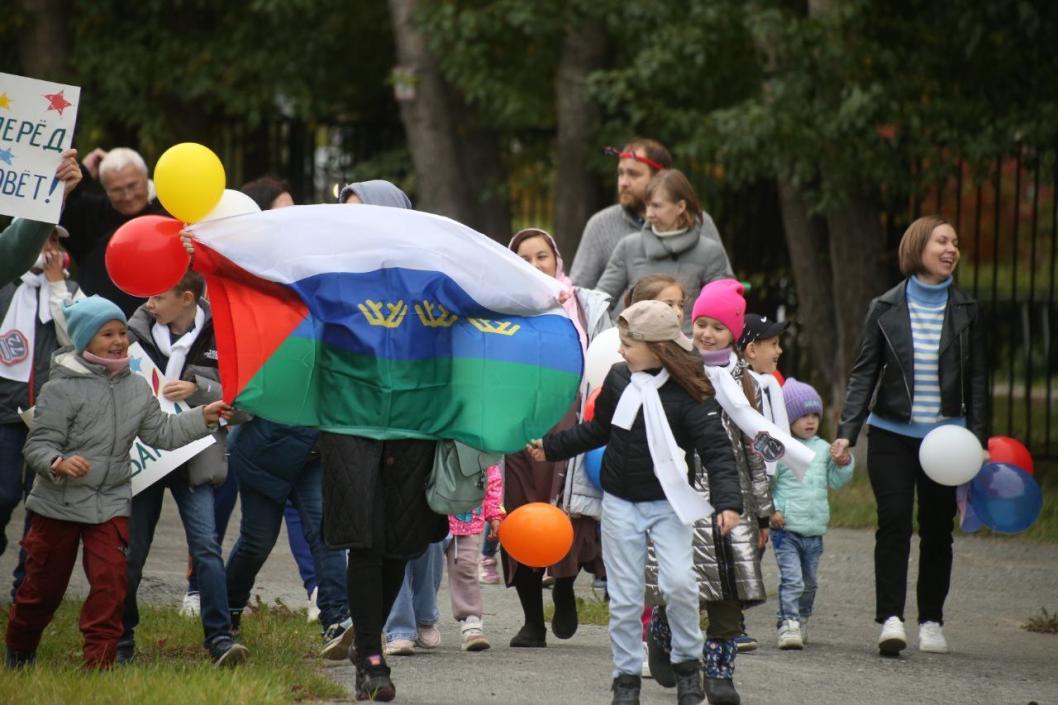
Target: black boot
626,690
16,660
720,672
527,582
372,679
530,636
688,682
565,622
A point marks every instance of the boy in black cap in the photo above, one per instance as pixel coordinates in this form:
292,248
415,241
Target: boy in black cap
760,347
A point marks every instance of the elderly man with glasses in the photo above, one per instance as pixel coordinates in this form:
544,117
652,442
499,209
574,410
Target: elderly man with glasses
114,191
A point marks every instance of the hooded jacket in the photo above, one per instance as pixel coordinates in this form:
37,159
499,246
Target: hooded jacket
374,492
211,465
804,503
81,411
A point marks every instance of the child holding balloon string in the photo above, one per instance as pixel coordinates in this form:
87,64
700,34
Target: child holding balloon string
654,409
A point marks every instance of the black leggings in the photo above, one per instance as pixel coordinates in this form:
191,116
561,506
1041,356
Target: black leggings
372,583
892,463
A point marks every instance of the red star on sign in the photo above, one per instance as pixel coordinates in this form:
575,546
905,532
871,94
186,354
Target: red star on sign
57,102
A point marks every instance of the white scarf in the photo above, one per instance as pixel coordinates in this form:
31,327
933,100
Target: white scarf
670,462
18,332
733,401
177,352
774,404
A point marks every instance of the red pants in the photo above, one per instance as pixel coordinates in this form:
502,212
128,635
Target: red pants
51,551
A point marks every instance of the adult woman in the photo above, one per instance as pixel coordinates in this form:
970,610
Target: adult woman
527,480
922,360
681,241
375,505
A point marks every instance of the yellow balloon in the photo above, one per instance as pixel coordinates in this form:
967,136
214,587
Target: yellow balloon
190,180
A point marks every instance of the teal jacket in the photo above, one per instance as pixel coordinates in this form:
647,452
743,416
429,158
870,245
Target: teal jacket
803,503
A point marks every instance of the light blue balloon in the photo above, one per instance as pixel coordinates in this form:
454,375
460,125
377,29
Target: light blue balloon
593,465
1005,498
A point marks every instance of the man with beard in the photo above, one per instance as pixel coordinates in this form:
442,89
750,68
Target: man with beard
638,161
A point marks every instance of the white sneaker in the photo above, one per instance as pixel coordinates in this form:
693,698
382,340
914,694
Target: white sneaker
931,638
645,671
473,632
313,611
804,630
893,639
789,635
191,606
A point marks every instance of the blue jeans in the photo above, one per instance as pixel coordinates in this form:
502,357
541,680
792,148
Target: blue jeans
300,548
798,559
224,496
262,519
195,505
624,548
489,543
14,486
417,601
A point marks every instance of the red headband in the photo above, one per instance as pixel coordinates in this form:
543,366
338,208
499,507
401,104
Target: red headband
632,155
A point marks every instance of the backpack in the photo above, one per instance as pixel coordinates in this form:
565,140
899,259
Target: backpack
457,481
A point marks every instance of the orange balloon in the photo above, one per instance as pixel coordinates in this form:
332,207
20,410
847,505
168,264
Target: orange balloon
537,534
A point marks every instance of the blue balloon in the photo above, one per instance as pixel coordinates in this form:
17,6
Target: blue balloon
593,465
1005,498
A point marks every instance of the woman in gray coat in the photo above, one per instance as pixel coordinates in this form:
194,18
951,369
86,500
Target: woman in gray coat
680,240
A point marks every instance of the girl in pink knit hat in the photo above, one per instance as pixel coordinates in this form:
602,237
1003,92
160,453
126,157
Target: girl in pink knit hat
728,568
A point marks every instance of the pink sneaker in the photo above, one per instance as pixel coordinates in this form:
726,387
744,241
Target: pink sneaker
487,574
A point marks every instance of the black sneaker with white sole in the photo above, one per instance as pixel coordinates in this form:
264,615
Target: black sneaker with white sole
226,653
337,640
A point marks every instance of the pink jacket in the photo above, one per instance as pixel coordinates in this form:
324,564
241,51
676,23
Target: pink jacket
472,523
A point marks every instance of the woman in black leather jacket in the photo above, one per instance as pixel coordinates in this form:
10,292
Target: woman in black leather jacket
921,364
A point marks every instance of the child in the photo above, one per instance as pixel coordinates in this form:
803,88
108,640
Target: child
760,347
801,515
175,329
87,417
32,327
653,410
461,554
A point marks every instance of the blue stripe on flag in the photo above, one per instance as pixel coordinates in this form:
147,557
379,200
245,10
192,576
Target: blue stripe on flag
386,313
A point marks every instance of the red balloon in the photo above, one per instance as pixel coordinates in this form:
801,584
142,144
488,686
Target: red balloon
589,406
144,256
778,375
1005,449
537,534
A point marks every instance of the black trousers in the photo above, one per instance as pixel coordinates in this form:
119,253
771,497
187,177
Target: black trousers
372,583
892,463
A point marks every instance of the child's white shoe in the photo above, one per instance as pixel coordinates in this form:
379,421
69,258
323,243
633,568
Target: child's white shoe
931,638
789,636
893,639
473,633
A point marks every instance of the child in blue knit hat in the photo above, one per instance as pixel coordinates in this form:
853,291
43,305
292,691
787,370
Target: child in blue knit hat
88,414
802,514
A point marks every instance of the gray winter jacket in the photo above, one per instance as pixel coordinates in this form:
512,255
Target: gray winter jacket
82,412
579,496
728,567
211,465
695,258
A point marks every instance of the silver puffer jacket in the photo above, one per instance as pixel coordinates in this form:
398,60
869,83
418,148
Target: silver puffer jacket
728,567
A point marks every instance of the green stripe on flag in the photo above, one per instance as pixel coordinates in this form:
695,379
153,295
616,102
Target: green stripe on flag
491,405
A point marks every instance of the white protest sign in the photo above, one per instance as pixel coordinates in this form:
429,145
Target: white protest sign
151,464
36,124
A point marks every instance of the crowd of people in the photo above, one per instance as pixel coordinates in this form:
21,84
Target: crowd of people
710,455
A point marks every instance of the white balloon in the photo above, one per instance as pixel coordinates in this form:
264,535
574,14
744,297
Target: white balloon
602,354
951,455
232,203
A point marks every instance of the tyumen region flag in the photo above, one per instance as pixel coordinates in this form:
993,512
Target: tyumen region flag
386,323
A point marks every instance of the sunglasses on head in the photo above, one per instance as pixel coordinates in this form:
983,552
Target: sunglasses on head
614,152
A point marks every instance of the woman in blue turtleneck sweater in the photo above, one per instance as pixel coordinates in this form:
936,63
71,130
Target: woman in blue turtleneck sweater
922,361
